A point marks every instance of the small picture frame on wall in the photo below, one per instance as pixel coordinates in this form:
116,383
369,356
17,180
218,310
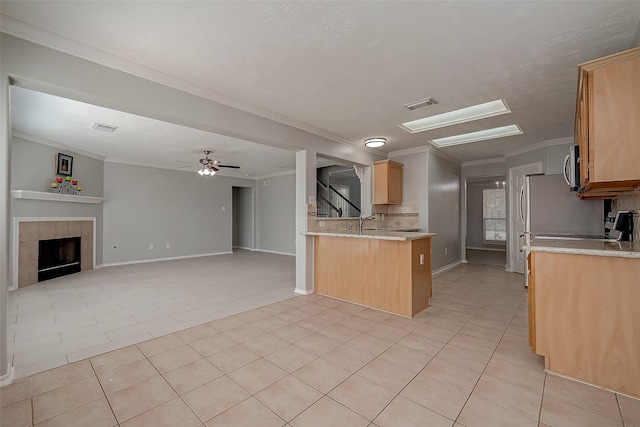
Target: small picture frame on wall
64,164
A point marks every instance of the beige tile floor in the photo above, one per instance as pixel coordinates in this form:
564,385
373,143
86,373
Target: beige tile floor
475,256
314,361
78,316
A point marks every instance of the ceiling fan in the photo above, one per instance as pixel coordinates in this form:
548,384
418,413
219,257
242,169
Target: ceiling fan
209,167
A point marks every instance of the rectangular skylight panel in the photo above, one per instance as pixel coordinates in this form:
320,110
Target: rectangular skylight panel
463,115
481,135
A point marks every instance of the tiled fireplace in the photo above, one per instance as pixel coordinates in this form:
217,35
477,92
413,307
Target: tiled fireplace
30,232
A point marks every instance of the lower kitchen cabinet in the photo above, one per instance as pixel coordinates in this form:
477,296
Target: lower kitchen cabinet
584,317
390,275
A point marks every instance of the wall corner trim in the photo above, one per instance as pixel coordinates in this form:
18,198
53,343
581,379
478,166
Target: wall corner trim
7,378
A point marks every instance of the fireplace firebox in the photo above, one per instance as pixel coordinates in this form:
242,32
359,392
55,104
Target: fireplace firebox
58,257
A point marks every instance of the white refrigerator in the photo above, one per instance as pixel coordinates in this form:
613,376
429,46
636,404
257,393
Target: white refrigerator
548,206
551,207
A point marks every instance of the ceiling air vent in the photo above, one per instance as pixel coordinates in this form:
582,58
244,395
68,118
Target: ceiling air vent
104,128
422,103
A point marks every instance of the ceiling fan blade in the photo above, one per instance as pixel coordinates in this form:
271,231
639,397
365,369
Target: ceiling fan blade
228,166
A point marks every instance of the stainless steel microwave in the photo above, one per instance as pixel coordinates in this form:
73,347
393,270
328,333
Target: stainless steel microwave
572,168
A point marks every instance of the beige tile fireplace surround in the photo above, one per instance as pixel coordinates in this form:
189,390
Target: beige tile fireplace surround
30,231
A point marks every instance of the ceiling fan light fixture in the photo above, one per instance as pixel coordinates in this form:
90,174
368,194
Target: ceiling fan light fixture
201,171
375,142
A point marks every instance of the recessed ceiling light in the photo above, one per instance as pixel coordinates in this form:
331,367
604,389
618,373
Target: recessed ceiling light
463,115
375,142
104,128
481,135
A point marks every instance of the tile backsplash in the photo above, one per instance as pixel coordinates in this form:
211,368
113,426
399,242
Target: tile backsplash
387,217
631,202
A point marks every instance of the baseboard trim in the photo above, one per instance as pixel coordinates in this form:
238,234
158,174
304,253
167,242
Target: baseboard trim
243,248
7,378
274,252
446,268
487,249
143,261
302,291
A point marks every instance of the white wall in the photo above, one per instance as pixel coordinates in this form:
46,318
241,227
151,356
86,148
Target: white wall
444,210
157,206
433,183
33,168
276,214
415,184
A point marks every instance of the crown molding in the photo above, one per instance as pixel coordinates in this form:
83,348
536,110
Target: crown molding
539,145
425,149
47,142
444,156
54,41
484,162
273,175
409,151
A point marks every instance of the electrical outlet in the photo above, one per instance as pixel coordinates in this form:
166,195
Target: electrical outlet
168,245
151,246
322,224
446,251
223,208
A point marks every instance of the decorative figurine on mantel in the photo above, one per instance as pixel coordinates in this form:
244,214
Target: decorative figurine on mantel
66,185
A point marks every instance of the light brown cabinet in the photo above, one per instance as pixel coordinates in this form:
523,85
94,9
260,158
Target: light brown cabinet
584,317
607,127
387,183
393,276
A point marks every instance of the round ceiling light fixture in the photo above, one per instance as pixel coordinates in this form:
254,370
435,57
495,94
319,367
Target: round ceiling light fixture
375,142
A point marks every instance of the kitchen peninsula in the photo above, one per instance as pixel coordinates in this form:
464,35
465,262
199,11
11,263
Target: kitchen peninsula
387,270
583,310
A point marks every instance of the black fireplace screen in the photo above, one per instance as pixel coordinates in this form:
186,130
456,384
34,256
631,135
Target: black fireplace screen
58,257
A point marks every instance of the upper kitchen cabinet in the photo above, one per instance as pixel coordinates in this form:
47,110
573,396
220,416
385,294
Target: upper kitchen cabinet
387,183
607,124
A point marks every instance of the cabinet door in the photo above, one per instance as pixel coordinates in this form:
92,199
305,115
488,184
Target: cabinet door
348,268
614,118
381,183
396,277
387,183
531,303
395,184
583,131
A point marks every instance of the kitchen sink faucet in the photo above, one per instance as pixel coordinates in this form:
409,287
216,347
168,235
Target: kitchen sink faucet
363,219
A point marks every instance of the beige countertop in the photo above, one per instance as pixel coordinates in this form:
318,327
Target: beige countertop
372,234
586,247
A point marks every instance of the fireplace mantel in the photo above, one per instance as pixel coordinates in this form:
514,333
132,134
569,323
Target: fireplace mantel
54,197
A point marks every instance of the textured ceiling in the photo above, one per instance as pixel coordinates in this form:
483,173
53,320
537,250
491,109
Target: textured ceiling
138,140
347,68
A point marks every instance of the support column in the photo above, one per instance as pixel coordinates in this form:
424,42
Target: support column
305,188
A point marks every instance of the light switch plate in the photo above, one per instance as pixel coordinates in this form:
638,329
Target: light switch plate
421,259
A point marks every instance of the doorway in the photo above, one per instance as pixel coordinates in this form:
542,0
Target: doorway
242,218
486,235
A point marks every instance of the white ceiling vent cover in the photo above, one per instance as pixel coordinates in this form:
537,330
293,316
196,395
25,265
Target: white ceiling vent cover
104,128
422,103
